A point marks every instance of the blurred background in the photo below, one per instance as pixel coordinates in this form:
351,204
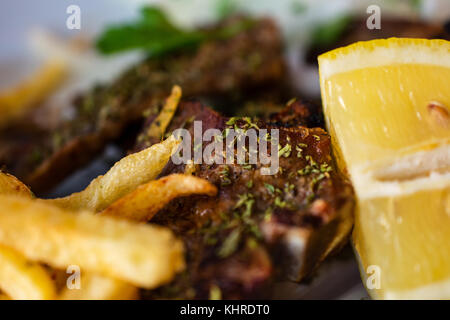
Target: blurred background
299,21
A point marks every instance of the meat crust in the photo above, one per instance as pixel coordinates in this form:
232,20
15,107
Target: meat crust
259,228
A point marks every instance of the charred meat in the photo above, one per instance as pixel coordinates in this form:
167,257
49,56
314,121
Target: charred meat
231,67
259,228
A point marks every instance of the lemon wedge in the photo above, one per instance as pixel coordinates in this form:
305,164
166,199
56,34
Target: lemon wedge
386,104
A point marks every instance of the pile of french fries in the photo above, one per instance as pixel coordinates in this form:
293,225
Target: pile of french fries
99,231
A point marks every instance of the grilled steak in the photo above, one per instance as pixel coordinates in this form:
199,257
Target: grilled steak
230,67
259,228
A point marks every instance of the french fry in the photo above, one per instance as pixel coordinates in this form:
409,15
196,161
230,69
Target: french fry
159,126
190,167
4,296
24,280
19,278
96,287
125,176
17,100
143,255
144,202
11,185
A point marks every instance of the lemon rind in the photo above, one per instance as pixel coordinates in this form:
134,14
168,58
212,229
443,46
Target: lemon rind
376,53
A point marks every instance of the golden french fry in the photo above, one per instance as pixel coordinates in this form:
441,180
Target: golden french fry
159,126
4,296
19,278
96,287
23,280
17,100
190,167
11,185
144,255
144,202
125,176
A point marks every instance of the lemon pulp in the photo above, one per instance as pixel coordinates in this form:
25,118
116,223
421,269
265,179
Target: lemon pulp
391,106
386,104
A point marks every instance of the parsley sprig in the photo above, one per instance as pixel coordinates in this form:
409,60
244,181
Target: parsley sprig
154,33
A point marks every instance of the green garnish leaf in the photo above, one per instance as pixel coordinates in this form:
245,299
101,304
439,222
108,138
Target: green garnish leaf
327,34
154,33
225,8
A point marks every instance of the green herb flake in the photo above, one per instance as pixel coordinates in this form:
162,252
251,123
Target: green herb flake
324,167
225,181
231,121
230,244
250,123
288,187
215,293
299,151
252,243
248,208
268,214
280,203
270,188
243,199
284,151
291,101
254,229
